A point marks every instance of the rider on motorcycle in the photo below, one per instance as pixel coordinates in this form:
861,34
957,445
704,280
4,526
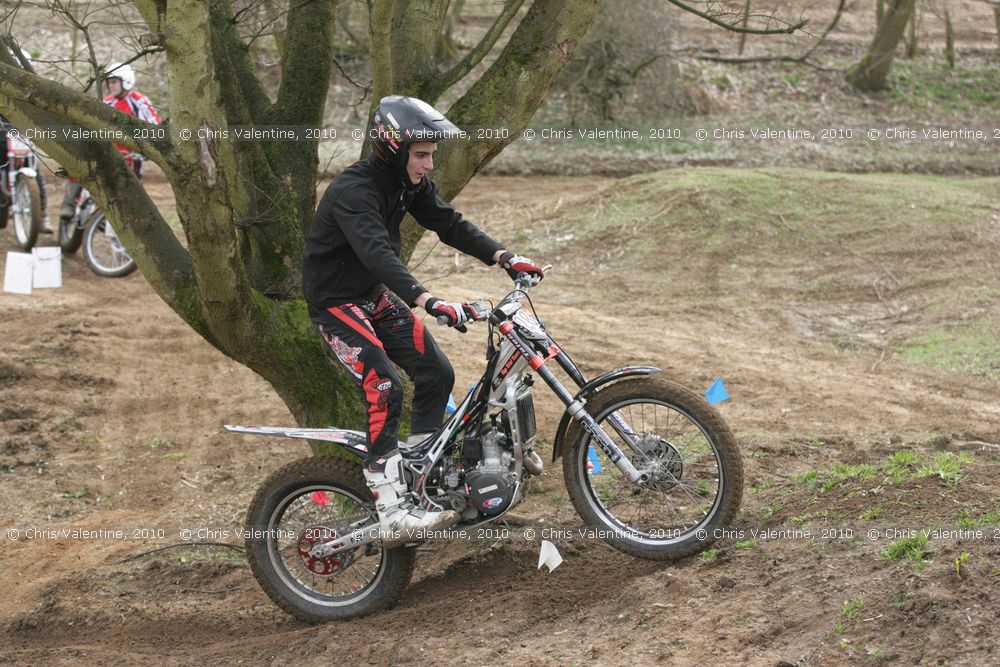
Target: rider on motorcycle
39,177
123,96
360,293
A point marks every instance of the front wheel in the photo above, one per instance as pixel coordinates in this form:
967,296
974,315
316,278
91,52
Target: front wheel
307,501
682,443
104,251
26,211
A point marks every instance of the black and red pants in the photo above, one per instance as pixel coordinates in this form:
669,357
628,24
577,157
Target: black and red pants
367,337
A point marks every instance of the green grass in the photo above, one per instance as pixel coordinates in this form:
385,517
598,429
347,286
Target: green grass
745,544
922,82
851,608
966,521
708,554
946,466
872,514
902,465
970,349
913,549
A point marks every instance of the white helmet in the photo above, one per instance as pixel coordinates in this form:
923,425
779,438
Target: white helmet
123,72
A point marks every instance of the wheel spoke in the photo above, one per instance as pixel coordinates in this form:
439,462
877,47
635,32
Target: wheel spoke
671,448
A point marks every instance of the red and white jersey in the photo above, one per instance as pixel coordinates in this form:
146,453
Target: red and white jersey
135,104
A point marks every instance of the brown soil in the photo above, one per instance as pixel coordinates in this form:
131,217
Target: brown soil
112,411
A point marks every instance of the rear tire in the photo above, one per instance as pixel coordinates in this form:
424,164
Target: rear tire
698,480
287,503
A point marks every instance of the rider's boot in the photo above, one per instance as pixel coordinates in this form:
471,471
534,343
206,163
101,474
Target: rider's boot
396,512
46,225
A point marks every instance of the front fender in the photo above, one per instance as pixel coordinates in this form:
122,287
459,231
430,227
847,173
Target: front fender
27,171
587,390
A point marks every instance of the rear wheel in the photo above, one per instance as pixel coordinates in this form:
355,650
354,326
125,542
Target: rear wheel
104,251
308,501
682,443
26,211
70,235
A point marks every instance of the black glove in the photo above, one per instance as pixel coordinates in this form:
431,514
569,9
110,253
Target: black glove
457,314
515,264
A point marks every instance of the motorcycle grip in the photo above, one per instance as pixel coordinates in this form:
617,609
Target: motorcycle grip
443,321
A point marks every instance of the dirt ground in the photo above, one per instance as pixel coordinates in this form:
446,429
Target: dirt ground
112,411
111,414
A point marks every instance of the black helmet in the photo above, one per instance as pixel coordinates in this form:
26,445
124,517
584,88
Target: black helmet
400,121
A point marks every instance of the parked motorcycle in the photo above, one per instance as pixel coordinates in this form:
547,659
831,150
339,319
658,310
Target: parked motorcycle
20,198
649,465
103,250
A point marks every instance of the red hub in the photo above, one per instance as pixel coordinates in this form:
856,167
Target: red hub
309,538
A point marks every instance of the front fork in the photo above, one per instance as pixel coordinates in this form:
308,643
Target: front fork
579,413
575,407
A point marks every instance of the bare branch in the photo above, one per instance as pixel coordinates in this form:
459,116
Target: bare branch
478,52
734,27
783,59
68,104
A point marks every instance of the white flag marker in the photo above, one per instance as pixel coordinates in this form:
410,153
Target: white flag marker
549,556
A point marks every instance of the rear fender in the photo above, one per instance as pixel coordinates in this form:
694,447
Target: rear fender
352,442
587,390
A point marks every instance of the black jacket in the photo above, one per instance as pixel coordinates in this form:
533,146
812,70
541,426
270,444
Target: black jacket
353,243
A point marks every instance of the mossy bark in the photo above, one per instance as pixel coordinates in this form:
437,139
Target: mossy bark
870,74
244,206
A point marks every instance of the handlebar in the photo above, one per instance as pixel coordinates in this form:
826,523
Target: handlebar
482,309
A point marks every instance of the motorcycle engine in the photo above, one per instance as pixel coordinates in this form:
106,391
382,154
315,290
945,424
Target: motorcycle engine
482,482
491,483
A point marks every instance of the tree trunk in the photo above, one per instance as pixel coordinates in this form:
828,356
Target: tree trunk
996,19
871,72
746,20
447,45
949,39
911,42
245,206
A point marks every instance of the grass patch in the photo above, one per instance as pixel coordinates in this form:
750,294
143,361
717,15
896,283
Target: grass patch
913,549
708,554
843,473
968,522
872,514
920,82
851,608
809,478
946,466
902,465
972,349
745,544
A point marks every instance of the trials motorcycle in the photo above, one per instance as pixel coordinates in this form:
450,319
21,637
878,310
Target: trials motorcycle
20,197
647,463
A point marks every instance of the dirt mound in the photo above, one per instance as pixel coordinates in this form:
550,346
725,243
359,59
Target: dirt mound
111,412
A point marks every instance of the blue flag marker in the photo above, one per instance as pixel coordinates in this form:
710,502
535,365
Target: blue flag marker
593,463
717,393
451,407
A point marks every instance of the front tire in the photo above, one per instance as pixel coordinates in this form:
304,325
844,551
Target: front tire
310,498
26,211
695,469
104,251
